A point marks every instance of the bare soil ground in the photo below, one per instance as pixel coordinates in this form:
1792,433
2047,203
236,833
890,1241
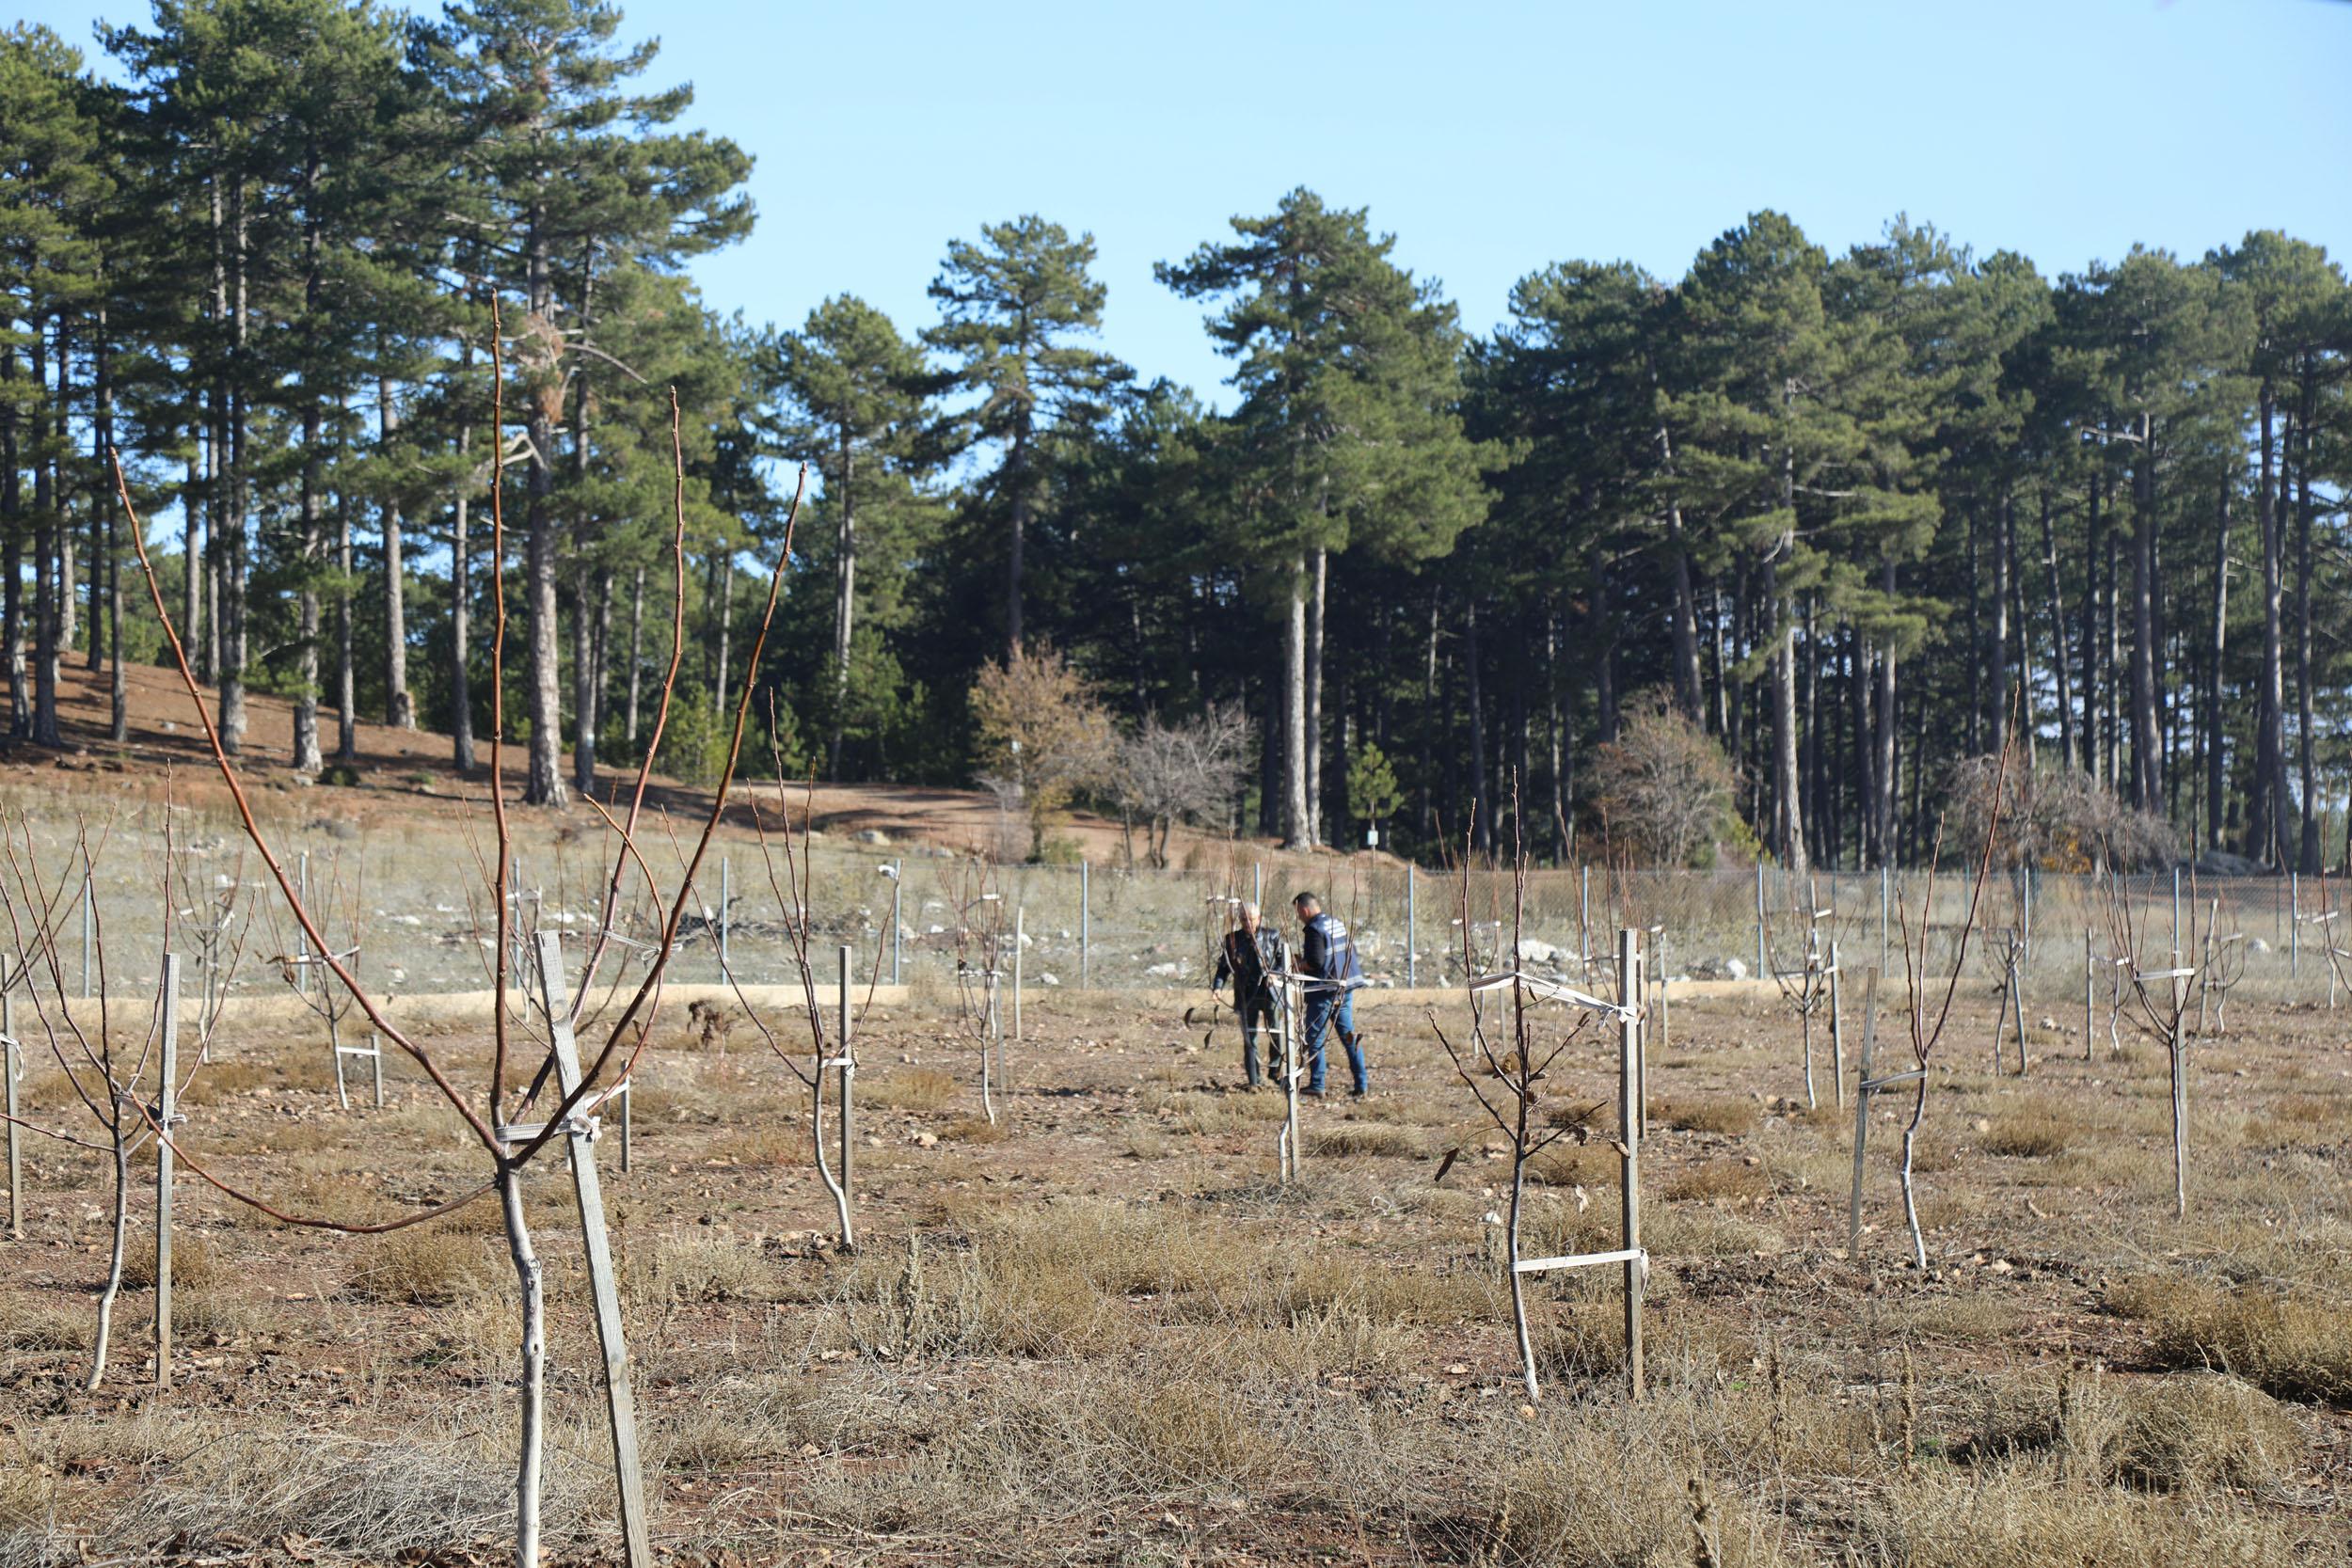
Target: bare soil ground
1099,1332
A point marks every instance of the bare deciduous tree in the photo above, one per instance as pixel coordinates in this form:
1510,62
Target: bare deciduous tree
1182,770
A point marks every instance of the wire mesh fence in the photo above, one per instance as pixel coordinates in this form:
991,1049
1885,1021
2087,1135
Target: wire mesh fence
414,905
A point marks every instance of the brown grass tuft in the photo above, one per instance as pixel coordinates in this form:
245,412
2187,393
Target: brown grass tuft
2030,1133
425,1266
1724,1114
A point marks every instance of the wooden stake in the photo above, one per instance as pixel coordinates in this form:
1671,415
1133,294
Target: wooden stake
12,1070
167,1113
1862,1107
620,1404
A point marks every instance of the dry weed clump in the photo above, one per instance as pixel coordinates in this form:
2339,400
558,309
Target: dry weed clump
212,1489
1726,1181
2288,1346
2199,1430
919,1088
2019,1512
686,1269
773,1144
976,1129
2031,1132
425,1266
1727,1116
1374,1139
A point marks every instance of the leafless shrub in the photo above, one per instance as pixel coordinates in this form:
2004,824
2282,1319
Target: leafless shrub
1182,770
2052,818
1663,787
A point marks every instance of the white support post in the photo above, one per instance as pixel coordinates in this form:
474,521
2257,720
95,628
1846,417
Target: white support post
1837,1026
620,1404
2086,973
1019,936
2295,926
726,897
167,1115
848,1060
1412,956
1630,1115
897,893
12,1070
1086,923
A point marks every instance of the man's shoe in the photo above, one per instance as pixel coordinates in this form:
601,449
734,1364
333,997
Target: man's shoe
1360,1094
1317,1094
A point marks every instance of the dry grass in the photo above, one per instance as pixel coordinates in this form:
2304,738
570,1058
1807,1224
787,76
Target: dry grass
1726,1181
2294,1347
1352,1138
977,1130
423,1266
2031,1132
703,1267
919,1088
1727,1116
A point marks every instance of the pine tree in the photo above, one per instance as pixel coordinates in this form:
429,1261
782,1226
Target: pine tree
1016,309
576,184
1348,431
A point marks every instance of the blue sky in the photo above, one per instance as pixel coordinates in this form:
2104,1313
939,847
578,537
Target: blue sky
1490,138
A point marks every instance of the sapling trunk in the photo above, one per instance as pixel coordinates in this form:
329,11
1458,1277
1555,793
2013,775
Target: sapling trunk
2180,1119
533,1391
1510,1249
1910,1198
113,1263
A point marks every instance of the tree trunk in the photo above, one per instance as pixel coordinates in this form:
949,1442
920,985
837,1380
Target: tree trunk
2146,735
230,538
461,594
45,619
2307,858
1017,472
1482,806
532,1391
583,683
2093,761
12,544
1297,821
844,598
636,649
2265,818
1884,783
306,757
2056,609
542,400
346,674
2216,770
400,708
1999,693
1563,843
726,626
1314,695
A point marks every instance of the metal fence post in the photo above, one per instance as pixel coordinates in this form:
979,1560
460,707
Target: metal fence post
2295,921
11,1066
1759,920
727,897
1412,969
1086,918
897,889
1257,884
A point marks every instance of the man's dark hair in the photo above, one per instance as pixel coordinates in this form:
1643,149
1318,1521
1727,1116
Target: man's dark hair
1304,899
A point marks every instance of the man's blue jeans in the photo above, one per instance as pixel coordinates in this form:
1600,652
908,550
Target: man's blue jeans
1323,1010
